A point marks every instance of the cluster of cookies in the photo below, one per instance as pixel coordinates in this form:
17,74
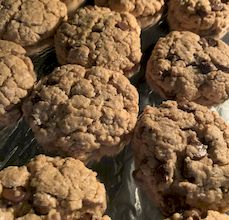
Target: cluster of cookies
87,108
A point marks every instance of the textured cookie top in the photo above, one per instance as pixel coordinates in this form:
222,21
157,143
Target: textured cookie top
27,22
100,37
16,79
85,113
141,9
184,66
181,154
194,215
204,17
51,188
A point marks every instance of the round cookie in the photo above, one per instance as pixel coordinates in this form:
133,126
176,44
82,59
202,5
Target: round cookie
47,189
83,113
100,37
72,5
194,214
203,17
30,23
186,67
181,157
147,13
17,78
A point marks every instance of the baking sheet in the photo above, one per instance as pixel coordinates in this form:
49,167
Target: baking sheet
125,200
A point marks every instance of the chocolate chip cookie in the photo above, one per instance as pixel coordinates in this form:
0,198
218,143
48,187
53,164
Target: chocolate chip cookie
203,17
147,13
83,113
194,214
17,78
181,155
47,189
185,67
30,23
72,5
100,37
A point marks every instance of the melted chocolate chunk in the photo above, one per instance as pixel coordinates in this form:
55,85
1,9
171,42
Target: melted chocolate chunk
173,57
122,25
205,67
14,195
161,173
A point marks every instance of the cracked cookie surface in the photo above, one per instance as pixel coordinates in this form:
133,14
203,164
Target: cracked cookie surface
195,215
47,189
181,156
100,37
147,13
83,113
28,22
203,17
17,78
186,67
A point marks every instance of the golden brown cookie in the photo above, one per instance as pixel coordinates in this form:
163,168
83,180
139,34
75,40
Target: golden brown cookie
203,17
185,67
30,23
51,188
181,157
100,37
17,78
83,113
148,13
195,215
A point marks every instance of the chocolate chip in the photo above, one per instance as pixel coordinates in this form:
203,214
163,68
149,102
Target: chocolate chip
36,99
201,12
97,29
41,210
161,174
51,82
206,42
212,42
206,67
14,195
217,6
173,57
123,26
165,73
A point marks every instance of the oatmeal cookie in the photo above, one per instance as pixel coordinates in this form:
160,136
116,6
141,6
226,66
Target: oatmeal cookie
72,5
181,155
203,17
100,37
47,189
147,13
83,113
186,67
194,214
17,77
30,23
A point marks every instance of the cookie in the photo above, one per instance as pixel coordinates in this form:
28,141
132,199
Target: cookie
17,78
100,37
47,189
30,23
204,17
72,5
83,113
193,214
186,67
181,157
148,13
